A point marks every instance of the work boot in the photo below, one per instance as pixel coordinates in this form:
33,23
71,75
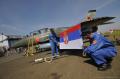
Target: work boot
109,66
57,55
53,57
109,61
102,67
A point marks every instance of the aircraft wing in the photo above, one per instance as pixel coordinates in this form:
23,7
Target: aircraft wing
107,23
98,21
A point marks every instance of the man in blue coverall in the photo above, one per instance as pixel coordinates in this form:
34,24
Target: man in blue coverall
101,50
54,43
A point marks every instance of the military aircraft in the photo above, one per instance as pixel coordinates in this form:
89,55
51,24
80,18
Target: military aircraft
41,36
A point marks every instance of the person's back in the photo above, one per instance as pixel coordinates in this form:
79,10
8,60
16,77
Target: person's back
100,50
101,41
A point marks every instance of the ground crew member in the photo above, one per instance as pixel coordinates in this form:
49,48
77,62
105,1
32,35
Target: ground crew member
101,51
54,43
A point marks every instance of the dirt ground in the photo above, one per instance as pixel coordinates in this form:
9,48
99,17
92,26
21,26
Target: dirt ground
66,67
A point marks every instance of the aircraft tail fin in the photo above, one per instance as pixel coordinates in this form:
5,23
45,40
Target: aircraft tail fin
90,15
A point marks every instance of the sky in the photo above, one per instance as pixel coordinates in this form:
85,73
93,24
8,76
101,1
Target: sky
20,17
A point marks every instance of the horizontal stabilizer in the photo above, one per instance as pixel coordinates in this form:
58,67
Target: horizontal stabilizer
97,21
108,23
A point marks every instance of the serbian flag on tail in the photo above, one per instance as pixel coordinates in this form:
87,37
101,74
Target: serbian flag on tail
71,38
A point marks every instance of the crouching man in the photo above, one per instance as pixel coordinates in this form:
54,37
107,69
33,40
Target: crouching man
101,50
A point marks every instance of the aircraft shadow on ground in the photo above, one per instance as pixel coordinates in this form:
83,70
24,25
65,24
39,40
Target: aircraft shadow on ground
72,52
67,53
79,54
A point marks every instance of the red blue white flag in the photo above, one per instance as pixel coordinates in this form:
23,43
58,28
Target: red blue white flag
71,38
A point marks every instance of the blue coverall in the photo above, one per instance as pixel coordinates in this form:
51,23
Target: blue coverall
101,50
53,42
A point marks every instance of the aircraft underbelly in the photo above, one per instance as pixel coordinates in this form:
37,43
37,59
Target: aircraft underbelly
45,45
